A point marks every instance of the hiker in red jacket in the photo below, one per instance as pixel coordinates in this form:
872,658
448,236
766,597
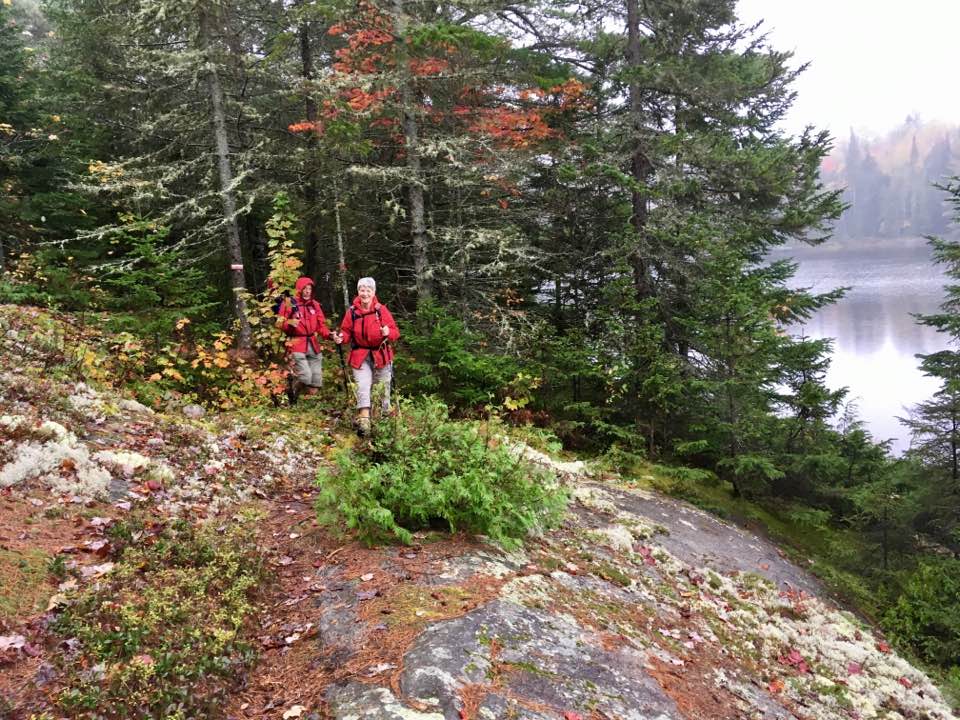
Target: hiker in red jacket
301,318
370,329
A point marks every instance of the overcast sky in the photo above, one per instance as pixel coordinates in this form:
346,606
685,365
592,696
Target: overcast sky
872,62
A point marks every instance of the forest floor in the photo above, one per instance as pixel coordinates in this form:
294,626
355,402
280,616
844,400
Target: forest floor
159,565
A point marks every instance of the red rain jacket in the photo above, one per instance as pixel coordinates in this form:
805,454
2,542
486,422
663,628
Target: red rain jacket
310,315
362,329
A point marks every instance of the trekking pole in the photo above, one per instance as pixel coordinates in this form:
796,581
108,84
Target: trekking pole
343,368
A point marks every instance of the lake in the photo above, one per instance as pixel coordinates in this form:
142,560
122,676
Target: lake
875,337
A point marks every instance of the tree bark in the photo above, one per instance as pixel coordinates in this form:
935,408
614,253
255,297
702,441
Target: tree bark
310,192
418,228
341,257
640,166
3,262
222,148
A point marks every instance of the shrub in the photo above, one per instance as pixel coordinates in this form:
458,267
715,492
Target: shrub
423,470
927,614
161,635
447,359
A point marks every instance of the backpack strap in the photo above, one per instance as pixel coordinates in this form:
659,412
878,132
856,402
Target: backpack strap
353,322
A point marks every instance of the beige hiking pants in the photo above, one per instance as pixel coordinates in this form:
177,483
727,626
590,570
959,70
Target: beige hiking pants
366,376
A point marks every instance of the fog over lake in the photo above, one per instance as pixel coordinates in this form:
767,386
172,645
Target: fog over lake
875,336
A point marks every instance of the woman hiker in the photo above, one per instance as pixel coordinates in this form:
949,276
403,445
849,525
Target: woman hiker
370,329
301,318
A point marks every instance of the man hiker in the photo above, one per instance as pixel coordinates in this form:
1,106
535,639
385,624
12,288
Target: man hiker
370,329
302,320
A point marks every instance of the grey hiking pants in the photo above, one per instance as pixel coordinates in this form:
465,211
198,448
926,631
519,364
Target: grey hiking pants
309,367
366,376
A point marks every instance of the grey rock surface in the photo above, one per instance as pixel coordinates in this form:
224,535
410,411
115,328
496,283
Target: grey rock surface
546,660
701,539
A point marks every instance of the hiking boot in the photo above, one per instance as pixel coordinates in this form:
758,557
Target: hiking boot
293,390
363,426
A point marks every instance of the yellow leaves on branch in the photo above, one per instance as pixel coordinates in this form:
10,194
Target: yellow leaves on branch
173,373
104,172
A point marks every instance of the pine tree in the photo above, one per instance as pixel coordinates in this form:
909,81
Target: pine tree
178,85
935,424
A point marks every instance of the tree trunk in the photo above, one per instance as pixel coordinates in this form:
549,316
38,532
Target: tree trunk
3,262
310,192
640,166
418,228
341,257
886,541
259,254
954,469
222,147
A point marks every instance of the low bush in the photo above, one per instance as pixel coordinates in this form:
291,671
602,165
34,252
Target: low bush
161,635
424,470
446,359
927,615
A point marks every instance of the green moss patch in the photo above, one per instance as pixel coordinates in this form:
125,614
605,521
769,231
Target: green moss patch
24,586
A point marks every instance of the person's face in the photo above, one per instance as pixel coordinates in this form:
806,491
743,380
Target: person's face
366,293
307,292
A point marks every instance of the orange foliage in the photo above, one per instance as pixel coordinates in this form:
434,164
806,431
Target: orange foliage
514,128
305,127
571,94
361,101
428,66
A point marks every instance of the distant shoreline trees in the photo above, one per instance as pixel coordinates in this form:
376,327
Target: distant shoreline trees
890,183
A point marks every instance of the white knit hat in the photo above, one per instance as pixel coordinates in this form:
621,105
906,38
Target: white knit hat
369,282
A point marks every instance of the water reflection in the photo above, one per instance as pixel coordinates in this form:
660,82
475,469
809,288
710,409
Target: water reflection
875,334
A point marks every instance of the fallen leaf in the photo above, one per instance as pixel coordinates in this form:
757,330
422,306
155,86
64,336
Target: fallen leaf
56,601
12,642
906,682
294,712
366,577
91,571
854,668
100,547
367,594
883,647
379,668
776,686
285,560
569,715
